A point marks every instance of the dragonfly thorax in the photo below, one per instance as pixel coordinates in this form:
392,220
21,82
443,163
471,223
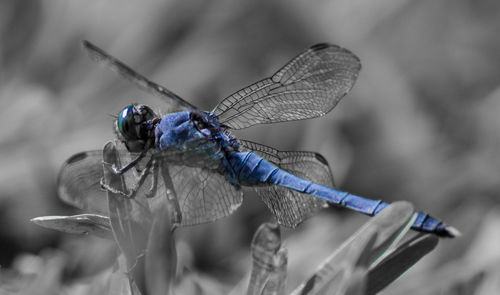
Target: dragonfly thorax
135,127
182,129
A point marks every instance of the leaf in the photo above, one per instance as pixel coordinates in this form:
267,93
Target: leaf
118,282
342,271
130,220
269,263
398,261
275,284
357,282
92,224
161,256
391,227
379,233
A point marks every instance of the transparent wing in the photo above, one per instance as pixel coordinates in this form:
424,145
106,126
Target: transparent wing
78,183
309,165
100,56
308,86
291,207
79,180
204,195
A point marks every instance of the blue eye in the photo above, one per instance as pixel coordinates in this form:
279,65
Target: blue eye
124,115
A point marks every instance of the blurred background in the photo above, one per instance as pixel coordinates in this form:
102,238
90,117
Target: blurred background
421,123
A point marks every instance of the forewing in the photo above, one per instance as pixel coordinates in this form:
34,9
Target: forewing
79,180
291,207
78,183
204,195
100,56
308,86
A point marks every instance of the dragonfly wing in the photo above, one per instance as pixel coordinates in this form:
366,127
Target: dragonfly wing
308,165
78,183
100,56
308,86
79,180
203,194
291,207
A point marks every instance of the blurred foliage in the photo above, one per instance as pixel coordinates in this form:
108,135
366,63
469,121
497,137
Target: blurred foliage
421,123
365,263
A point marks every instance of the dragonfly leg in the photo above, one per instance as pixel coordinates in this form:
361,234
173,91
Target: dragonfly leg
133,191
127,167
154,184
142,178
109,188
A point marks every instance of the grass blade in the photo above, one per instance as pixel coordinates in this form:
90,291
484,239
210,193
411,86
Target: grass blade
337,273
276,279
398,261
357,282
129,220
82,224
386,226
161,256
267,262
119,282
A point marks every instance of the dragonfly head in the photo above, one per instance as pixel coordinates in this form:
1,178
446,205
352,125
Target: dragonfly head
135,127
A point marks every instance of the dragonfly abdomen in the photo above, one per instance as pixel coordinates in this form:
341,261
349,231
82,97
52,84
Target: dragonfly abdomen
251,169
423,222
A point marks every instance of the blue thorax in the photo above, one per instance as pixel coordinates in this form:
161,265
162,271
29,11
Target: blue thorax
197,133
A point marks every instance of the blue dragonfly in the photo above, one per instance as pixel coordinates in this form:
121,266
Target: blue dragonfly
208,166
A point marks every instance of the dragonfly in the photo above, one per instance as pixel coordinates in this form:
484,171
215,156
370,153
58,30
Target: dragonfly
208,166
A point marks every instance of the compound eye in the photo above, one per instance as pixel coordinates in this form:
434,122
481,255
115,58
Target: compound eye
126,122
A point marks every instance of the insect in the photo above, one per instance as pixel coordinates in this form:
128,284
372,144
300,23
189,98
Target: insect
208,166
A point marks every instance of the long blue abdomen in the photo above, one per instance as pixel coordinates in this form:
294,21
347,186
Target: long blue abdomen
251,169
